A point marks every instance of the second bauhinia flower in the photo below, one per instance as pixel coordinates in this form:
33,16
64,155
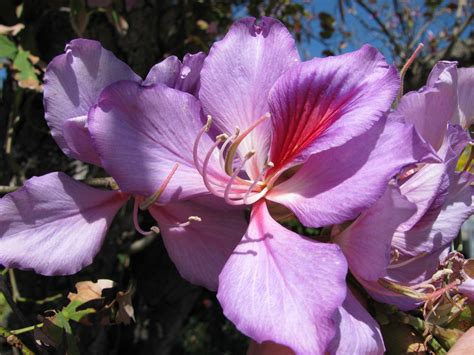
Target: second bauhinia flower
268,131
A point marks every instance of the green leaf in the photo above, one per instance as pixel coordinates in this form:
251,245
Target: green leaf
8,48
26,75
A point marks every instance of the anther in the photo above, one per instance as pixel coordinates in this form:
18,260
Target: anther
191,219
152,199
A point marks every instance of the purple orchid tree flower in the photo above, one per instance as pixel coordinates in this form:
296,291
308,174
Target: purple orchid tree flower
443,196
54,224
311,136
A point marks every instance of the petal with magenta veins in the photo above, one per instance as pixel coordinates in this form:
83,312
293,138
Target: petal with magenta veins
281,287
358,332
238,74
325,102
200,235
73,82
142,132
54,224
327,188
366,243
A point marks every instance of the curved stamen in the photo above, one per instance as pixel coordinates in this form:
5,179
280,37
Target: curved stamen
234,176
233,147
152,199
152,230
406,262
205,164
257,180
203,130
226,143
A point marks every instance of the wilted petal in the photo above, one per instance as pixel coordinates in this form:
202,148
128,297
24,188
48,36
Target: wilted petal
325,102
466,96
358,332
366,243
174,74
327,188
238,74
200,249
142,132
278,286
408,272
439,227
73,82
54,224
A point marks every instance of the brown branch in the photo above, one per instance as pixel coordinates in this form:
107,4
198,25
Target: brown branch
456,35
382,26
106,182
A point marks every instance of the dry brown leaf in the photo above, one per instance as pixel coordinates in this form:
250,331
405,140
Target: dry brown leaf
11,30
88,290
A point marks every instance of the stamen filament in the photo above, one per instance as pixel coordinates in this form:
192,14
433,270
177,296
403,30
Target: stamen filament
152,199
233,147
153,230
234,175
406,262
257,180
203,130
224,146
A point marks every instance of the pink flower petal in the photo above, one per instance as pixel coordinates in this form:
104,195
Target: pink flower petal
278,286
142,132
325,102
366,243
358,332
328,187
200,249
239,73
73,82
54,224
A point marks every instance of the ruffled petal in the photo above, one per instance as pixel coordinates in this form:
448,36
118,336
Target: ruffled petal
199,249
466,96
325,102
366,243
239,73
426,187
467,288
174,74
73,82
358,332
327,188
439,227
434,106
54,224
278,286
142,132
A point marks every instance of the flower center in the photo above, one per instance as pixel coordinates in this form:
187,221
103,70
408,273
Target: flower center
228,181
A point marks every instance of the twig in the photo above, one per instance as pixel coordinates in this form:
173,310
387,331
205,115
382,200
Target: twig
14,341
382,26
106,182
456,36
